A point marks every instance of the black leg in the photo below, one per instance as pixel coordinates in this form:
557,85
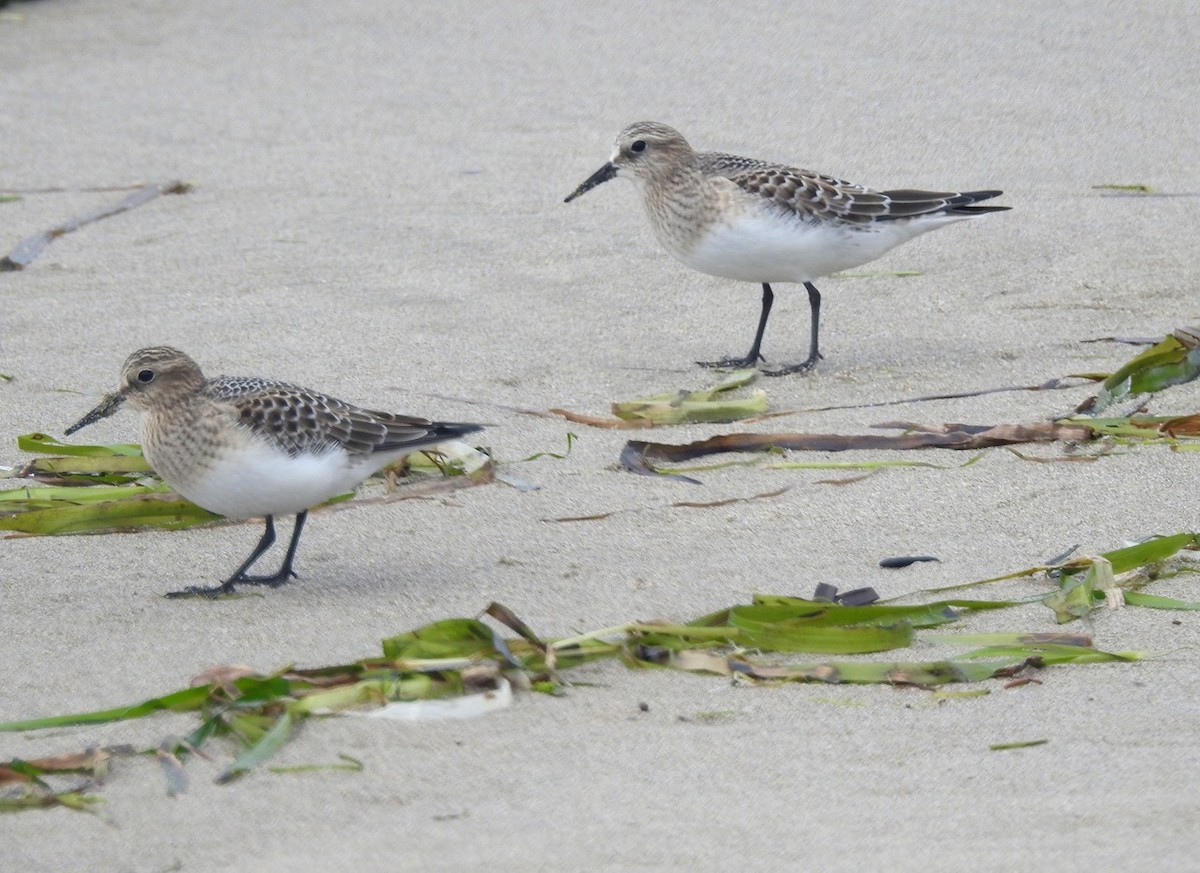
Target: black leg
814,355
285,572
240,577
754,355
768,298
268,540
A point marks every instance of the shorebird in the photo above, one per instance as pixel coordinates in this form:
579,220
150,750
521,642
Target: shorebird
249,447
759,221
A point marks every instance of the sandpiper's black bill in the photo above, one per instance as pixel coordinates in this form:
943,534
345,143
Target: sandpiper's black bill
608,171
107,407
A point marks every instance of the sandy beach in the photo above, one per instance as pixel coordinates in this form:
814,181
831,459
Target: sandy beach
377,212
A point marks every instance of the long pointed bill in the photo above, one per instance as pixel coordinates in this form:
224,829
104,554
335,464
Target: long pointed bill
608,171
107,407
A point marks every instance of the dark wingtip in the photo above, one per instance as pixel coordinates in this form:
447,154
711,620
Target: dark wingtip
978,210
453,430
961,205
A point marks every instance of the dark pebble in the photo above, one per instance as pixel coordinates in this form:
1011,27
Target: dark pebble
905,560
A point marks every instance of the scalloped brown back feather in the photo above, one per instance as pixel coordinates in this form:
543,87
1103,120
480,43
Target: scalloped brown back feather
299,420
821,197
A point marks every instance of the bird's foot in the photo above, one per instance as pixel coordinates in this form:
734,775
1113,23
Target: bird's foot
273,581
223,590
227,587
732,363
802,367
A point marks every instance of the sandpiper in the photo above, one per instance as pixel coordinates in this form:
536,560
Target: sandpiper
248,447
758,221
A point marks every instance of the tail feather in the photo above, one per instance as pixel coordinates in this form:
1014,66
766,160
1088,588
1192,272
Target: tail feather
961,204
908,203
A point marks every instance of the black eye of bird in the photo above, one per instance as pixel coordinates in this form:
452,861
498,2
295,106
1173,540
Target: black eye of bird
638,145
146,376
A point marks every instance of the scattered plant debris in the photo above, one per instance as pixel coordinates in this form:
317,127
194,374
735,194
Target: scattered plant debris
1127,340
1174,360
463,667
874,274
680,407
1073,381
686,504
638,456
1141,189
1025,744
558,456
96,489
30,247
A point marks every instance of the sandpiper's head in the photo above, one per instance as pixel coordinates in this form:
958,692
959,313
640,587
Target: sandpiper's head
642,151
150,378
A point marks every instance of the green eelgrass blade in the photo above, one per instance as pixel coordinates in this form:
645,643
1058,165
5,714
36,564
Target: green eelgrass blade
141,507
399,686
832,640
207,728
1153,601
1050,654
33,497
748,632
961,695
1013,640
93,464
706,405
1023,744
270,743
1170,362
85,471
258,689
1139,427
348,763
179,701
456,637
43,799
817,613
839,465
560,456
1157,548
924,674
84,464
250,689
48,445
683,411
866,465
795,612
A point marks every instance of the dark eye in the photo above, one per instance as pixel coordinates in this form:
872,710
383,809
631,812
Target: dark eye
638,145
146,376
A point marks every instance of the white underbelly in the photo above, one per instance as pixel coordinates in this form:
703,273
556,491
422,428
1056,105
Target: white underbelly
256,480
766,247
